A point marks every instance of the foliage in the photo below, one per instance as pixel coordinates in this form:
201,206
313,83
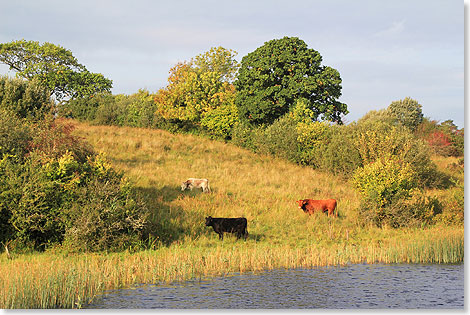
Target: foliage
417,212
376,139
26,99
273,77
136,110
140,109
54,67
106,215
280,139
444,138
384,180
51,182
220,60
219,121
340,155
381,183
15,136
407,112
197,88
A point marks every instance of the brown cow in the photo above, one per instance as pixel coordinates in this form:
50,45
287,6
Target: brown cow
310,206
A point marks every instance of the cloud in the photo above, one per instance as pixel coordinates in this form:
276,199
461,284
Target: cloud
395,29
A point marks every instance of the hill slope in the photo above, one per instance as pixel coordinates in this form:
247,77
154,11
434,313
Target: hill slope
261,188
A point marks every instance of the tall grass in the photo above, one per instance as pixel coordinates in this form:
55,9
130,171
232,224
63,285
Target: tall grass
261,188
53,280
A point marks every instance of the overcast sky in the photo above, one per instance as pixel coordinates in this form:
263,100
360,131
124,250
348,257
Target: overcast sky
384,50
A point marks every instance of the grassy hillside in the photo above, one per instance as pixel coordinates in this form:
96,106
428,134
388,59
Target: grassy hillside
261,188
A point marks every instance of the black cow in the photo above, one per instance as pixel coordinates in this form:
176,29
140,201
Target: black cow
229,225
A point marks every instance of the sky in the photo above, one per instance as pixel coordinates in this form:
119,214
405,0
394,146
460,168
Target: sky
384,50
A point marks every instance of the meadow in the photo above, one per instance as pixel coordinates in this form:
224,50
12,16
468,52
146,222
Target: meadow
261,188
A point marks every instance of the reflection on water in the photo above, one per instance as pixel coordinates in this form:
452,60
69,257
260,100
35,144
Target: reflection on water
341,287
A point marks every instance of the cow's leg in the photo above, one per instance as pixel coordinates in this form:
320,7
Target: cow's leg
221,235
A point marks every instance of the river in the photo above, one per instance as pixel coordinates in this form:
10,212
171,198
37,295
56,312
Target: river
361,286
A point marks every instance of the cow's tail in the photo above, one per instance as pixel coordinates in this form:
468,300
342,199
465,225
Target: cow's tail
208,187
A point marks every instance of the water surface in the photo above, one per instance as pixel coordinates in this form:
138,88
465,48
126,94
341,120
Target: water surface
399,286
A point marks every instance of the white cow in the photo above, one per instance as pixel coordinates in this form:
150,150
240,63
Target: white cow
196,182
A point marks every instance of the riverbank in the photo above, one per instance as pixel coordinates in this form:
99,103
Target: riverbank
49,280
261,188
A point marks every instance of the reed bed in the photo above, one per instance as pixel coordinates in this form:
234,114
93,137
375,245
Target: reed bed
261,188
57,281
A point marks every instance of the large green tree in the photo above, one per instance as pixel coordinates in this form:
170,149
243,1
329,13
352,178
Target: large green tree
275,76
55,67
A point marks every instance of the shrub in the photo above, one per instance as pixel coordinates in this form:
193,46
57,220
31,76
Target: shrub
105,215
27,99
52,138
140,110
411,213
381,183
340,156
407,112
444,139
55,183
376,139
15,135
280,139
384,180
220,121
83,108
110,111
312,137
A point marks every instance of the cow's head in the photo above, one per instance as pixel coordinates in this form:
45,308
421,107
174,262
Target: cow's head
185,185
208,221
302,204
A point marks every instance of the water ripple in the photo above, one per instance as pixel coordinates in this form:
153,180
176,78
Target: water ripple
363,286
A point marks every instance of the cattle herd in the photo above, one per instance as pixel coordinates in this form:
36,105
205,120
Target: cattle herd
238,226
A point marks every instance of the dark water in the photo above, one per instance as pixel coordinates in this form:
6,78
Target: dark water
400,286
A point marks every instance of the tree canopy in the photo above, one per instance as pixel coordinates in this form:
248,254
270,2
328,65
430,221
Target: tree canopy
199,92
54,67
275,76
407,112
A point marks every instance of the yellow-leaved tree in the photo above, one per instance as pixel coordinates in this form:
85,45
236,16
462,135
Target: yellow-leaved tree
200,93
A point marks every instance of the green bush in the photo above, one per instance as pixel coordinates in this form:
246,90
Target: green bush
15,135
105,215
83,109
246,136
140,110
220,121
340,156
52,183
407,112
416,212
384,180
110,111
280,139
375,139
27,99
